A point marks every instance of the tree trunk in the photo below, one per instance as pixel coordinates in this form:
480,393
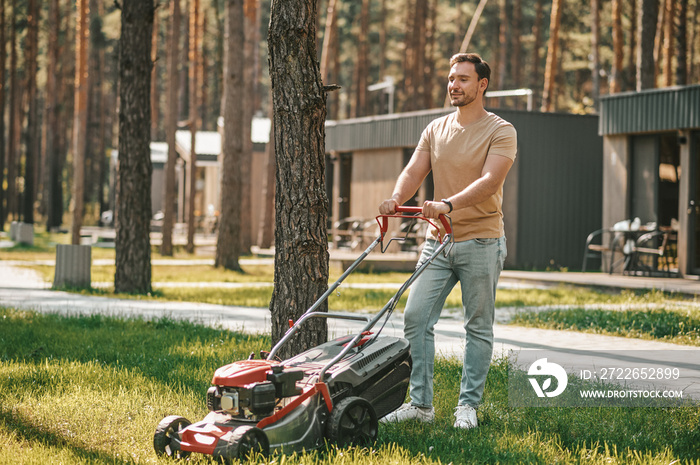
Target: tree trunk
682,48
631,66
154,80
228,244
618,51
194,124
166,246
250,79
80,118
103,160
646,31
550,71
266,227
3,59
11,193
94,150
499,78
659,37
133,218
537,34
331,15
430,95
516,55
595,55
51,155
362,62
693,69
301,243
32,133
669,41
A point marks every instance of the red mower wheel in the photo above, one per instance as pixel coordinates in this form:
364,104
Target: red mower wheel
353,422
166,440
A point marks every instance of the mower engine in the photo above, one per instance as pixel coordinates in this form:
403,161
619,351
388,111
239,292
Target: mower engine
251,389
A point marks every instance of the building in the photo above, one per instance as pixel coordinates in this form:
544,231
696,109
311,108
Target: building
552,197
651,167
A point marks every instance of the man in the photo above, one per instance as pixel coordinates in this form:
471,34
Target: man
469,153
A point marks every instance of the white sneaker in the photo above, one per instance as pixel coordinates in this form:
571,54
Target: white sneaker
466,417
410,412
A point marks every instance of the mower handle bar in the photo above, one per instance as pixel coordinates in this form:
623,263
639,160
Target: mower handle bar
384,223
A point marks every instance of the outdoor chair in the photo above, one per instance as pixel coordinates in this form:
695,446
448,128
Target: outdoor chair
653,254
599,246
346,233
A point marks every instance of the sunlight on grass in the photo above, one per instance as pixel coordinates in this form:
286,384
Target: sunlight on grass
92,389
679,326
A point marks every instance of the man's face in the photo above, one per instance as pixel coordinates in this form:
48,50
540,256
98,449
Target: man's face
463,84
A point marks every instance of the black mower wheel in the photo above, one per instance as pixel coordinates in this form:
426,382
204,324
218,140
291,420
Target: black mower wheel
353,422
245,442
166,440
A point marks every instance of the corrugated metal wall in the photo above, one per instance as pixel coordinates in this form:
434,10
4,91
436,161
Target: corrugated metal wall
558,169
560,193
652,110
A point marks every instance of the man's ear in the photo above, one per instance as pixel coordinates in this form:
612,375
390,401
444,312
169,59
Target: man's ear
484,84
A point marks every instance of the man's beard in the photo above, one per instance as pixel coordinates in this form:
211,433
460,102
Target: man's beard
462,100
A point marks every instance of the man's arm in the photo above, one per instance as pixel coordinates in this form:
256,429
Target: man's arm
408,183
493,174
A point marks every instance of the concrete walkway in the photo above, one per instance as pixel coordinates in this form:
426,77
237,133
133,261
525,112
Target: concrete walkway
22,288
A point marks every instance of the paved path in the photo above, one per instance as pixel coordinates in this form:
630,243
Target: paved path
22,288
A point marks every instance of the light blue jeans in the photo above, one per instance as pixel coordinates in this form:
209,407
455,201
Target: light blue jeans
476,264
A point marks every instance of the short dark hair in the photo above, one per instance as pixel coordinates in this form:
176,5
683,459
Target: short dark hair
483,70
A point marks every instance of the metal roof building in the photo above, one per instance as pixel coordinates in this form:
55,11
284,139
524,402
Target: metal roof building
552,196
651,164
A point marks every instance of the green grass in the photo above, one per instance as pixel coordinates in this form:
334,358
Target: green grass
91,390
680,326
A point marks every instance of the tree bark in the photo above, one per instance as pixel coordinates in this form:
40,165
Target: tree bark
669,41
228,244
166,246
133,218
248,103
11,193
548,97
516,36
266,229
154,80
499,77
682,48
301,243
631,66
362,62
194,125
618,51
52,180
694,69
3,59
82,36
595,52
536,57
646,32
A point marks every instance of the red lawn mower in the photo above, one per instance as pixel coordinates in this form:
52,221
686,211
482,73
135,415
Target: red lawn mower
335,392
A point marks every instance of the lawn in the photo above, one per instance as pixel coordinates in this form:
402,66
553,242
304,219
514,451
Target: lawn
91,390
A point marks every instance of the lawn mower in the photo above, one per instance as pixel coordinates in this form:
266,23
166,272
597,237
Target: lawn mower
335,392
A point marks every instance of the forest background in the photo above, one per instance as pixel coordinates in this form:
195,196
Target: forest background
568,52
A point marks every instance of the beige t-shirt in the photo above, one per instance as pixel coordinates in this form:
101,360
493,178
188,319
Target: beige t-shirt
457,157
